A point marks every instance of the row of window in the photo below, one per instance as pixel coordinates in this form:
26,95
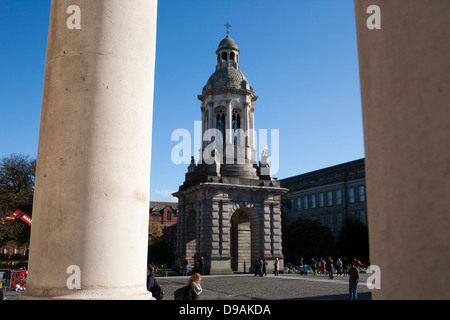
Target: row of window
335,221
236,124
157,217
329,198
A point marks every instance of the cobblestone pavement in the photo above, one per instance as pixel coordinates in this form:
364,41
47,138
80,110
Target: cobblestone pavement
249,287
282,287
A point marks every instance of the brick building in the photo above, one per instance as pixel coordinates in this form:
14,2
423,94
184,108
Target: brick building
166,214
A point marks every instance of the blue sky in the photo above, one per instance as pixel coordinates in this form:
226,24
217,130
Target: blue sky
300,57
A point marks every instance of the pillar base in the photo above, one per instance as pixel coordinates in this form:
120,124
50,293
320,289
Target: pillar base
220,266
86,294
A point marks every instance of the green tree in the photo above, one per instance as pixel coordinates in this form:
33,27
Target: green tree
17,174
353,241
307,238
159,252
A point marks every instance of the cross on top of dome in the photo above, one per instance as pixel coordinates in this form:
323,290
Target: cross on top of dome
228,26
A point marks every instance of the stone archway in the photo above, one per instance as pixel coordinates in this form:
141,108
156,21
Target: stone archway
244,240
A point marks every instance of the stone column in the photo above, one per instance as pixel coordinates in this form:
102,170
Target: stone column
91,202
229,148
276,231
266,230
219,235
405,88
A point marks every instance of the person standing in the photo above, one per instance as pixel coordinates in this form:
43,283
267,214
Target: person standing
185,267
345,266
339,267
200,265
330,267
313,266
261,267
353,280
275,267
256,267
152,285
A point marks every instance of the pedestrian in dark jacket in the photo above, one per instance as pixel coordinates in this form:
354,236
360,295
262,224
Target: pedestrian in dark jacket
353,279
330,267
152,285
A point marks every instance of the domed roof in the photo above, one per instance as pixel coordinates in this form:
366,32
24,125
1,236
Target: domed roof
228,43
227,77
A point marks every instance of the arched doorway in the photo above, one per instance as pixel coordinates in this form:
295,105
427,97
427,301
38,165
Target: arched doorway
244,240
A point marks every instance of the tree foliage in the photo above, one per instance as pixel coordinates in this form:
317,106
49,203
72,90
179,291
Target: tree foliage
155,232
354,241
307,238
17,174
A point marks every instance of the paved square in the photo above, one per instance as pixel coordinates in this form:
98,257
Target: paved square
282,287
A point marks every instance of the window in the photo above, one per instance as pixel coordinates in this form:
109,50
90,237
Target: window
305,202
339,222
321,200
330,198
338,196
313,201
236,124
292,205
299,203
220,125
363,217
331,222
351,195
224,57
169,215
361,193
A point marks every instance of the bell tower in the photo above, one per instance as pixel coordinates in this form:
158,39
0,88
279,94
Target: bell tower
228,115
230,211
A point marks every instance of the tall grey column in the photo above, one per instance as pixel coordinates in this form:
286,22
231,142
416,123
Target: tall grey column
405,87
90,215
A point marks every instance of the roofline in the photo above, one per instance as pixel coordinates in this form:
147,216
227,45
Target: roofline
345,165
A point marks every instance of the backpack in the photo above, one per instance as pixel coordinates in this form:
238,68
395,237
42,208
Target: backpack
179,293
157,291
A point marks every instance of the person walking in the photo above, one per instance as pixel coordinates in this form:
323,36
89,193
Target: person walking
353,280
339,267
200,265
256,267
185,267
321,267
275,267
345,266
194,289
313,266
329,264
261,267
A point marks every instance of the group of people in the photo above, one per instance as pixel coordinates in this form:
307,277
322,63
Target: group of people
193,289
329,267
260,267
344,267
198,268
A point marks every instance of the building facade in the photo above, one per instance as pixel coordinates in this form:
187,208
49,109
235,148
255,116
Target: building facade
229,205
165,214
330,195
